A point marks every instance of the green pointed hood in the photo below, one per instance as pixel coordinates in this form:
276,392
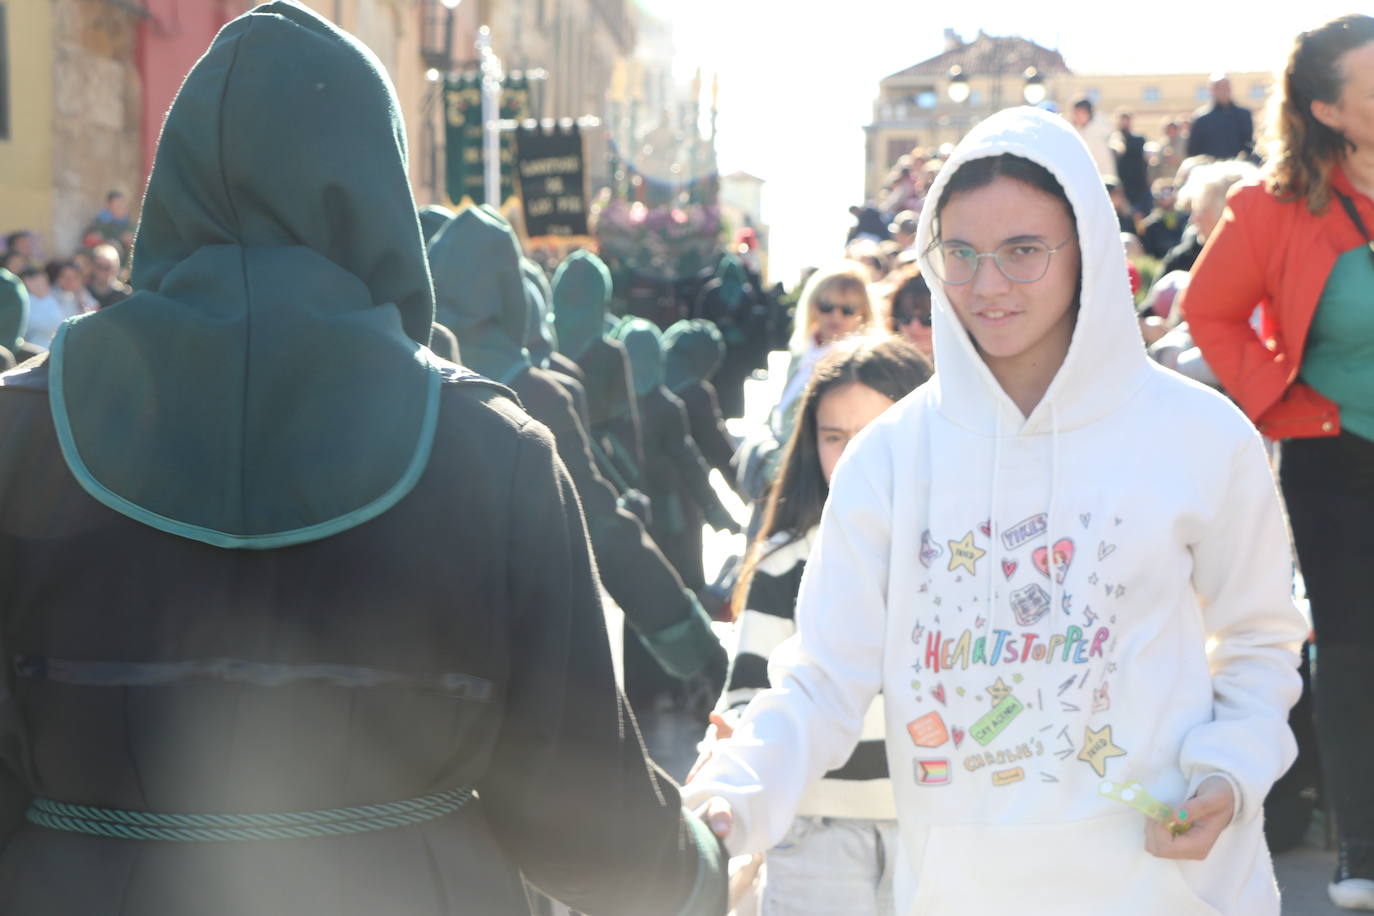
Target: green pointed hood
581,292
732,279
692,352
541,337
266,383
481,292
644,343
14,310
432,219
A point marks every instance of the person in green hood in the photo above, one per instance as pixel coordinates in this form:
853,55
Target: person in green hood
728,303
541,340
581,294
678,484
14,317
475,260
298,618
432,219
693,351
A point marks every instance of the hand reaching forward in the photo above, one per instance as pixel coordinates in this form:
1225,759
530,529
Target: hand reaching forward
1209,811
719,729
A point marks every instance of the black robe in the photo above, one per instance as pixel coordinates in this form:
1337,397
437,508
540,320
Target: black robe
634,571
678,484
455,640
613,408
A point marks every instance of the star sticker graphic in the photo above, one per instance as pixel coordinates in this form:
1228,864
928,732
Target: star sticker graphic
999,691
963,553
1098,748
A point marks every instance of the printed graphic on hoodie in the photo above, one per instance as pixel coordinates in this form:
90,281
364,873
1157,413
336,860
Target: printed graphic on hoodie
1019,730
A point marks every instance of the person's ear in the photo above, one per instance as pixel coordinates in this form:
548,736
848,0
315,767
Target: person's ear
1328,114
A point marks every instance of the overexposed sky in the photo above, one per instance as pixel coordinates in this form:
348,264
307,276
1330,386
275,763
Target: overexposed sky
798,78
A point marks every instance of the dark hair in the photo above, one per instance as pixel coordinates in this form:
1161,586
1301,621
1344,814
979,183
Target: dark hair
1307,148
56,266
910,284
891,367
978,173
114,194
1086,104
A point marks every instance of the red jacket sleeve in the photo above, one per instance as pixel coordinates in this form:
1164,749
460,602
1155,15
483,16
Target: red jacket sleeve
1228,282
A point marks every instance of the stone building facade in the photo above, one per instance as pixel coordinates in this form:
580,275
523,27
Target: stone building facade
89,81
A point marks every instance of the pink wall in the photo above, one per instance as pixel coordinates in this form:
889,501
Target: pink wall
172,38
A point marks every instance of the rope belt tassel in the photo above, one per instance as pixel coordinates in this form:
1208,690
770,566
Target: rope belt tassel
145,825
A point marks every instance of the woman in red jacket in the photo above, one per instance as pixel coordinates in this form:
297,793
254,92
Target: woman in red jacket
1299,246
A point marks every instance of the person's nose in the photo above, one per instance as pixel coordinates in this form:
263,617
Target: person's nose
988,278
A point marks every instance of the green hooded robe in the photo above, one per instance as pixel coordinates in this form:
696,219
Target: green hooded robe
256,274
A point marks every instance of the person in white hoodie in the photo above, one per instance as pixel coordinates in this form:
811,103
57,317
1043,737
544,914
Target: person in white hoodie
1038,623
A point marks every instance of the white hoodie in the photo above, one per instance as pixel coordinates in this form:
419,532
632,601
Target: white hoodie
1128,521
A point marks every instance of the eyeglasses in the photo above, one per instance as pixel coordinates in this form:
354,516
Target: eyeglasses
1022,261
924,319
848,311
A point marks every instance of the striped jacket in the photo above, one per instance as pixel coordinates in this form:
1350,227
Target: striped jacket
861,788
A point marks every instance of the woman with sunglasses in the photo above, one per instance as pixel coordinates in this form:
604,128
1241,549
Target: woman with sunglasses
908,310
1059,735
833,305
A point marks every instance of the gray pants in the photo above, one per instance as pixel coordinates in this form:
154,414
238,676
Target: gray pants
831,865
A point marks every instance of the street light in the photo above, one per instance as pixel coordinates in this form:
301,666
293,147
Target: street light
1034,91
958,85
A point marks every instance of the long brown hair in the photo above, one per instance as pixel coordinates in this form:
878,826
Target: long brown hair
1303,148
891,367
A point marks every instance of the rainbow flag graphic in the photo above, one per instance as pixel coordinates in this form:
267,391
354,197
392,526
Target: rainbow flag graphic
934,772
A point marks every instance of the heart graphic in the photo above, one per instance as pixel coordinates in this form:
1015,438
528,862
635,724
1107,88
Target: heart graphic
1063,556
1008,568
957,734
1085,518
1105,550
938,692
986,528
930,551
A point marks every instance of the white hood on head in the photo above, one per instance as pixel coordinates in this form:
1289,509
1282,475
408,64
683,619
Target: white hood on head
1106,362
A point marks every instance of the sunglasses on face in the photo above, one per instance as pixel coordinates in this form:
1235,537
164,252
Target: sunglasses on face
921,318
848,311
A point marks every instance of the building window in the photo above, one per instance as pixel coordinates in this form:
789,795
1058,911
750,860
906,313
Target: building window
975,97
927,98
1093,94
1258,92
4,77
898,148
1202,93
1152,94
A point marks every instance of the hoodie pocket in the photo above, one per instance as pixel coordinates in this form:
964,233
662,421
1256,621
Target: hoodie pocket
1081,868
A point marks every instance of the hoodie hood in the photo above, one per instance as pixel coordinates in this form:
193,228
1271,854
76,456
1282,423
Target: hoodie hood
267,383
432,219
481,293
1106,362
14,310
644,343
581,293
693,351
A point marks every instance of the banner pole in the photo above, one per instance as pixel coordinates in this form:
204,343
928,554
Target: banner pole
491,113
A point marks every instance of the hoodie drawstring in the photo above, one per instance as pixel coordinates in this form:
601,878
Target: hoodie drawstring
992,520
1055,572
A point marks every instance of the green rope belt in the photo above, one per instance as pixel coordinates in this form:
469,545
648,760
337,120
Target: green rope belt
145,825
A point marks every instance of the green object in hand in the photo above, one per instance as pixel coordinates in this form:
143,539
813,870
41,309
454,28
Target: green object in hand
1135,795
